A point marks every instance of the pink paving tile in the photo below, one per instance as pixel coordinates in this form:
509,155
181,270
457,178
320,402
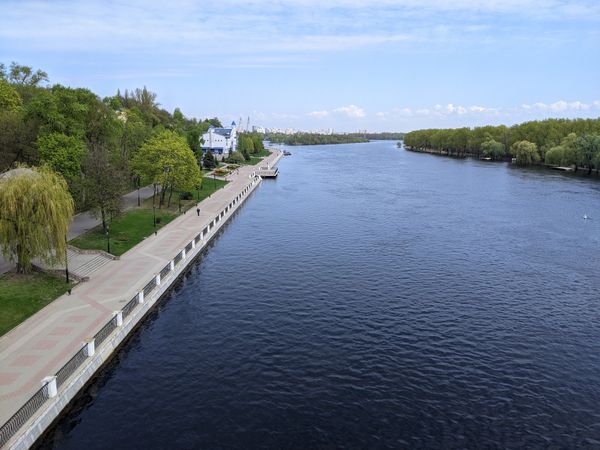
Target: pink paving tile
8,378
61,331
25,361
76,318
44,344
112,291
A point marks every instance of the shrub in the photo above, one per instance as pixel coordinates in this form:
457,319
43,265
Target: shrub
236,157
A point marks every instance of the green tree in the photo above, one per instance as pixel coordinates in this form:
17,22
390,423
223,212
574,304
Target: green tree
525,152
245,145
64,110
134,131
178,122
208,161
104,185
62,153
35,212
556,156
564,154
17,140
236,158
25,75
215,122
145,101
9,97
167,161
257,143
492,149
587,148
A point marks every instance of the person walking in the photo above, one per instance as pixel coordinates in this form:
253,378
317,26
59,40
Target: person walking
198,210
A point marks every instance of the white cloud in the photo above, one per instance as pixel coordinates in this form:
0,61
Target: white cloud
560,106
477,114
259,28
319,114
449,109
352,111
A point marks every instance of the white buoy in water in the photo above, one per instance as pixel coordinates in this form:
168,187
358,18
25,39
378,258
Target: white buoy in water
585,217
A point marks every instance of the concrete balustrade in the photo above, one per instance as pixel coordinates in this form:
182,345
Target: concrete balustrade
90,347
51,388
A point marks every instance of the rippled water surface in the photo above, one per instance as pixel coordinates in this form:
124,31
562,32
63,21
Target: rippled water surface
372,298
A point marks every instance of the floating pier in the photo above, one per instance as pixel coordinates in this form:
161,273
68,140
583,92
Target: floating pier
267,172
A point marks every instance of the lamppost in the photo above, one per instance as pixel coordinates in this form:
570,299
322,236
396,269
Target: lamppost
166,171
154,214
138,189
107,238
66,260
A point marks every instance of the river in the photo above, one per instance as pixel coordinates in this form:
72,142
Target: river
372,298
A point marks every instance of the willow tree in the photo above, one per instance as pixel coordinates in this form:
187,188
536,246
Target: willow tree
526,153
35,211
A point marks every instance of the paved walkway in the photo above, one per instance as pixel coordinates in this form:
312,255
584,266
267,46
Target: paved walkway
46,341
85,221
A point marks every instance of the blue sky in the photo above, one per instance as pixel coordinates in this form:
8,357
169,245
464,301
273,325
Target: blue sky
384,65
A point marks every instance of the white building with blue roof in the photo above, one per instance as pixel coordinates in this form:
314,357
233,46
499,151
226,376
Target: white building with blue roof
220,141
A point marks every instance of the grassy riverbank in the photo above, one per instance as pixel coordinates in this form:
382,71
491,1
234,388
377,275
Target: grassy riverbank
21,296
135,225
125,232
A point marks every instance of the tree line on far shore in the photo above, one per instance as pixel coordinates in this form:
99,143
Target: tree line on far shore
314,139
554,142
321,139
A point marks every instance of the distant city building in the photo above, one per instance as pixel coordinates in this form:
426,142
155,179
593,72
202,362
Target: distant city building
327,131
281,130
258,129
220,141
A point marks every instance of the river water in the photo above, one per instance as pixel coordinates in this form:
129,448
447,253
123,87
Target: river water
372,298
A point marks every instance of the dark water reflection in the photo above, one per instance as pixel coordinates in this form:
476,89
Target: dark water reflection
373,298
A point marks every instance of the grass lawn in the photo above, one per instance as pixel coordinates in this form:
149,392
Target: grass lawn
125,232
22,296
253,160
209,186
134,225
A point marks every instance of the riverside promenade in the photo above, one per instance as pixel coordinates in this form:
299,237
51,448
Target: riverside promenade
42,345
